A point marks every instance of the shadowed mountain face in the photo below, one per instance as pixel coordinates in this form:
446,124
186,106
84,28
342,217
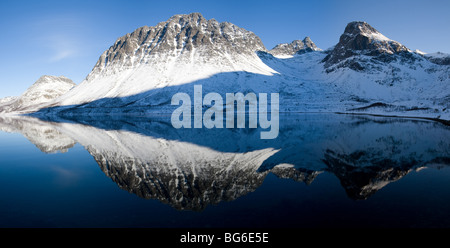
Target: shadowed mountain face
362,182
192,169
360,37
438,58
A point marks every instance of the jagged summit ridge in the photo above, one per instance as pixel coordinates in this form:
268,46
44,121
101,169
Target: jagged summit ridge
180,35
359,38
295,47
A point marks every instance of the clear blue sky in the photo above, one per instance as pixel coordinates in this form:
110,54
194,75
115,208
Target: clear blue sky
67,37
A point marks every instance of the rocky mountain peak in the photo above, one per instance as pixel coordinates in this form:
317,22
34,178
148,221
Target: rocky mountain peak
359,27
308,42
359,38
295,47
180,35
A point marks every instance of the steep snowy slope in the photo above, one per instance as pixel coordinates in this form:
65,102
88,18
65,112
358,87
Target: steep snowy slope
44,90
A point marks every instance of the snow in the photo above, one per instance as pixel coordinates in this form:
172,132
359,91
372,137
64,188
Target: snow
376,36
7,99
413,90
419,52
283,56
175,71
439,55
45,89
145,82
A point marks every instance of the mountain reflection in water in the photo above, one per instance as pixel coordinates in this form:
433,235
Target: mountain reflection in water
190,169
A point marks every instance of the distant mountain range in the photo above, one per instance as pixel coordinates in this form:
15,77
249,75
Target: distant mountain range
365,72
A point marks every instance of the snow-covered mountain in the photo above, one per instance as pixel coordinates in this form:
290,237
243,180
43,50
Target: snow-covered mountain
287,50
184,49
44,90
359,39
387,77
365,72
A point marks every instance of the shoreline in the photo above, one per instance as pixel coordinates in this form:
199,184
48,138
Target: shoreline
144,115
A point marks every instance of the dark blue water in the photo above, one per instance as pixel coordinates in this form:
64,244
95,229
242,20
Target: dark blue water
322,171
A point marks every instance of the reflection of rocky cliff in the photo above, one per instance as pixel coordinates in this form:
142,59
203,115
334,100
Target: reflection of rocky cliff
191,169
186,176
296,174
371,156
183,186
360,182
43,135
189,186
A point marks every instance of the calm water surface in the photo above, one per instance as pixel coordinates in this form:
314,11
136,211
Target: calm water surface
323,170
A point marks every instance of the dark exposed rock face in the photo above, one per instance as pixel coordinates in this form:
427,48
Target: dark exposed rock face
359,38
362,173
182,188
180,35
440,59
298,175
295,47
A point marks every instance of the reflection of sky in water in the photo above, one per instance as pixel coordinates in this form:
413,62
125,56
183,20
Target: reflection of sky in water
319,164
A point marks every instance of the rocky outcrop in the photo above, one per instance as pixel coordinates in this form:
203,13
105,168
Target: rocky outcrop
295,47
180,35
359,38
